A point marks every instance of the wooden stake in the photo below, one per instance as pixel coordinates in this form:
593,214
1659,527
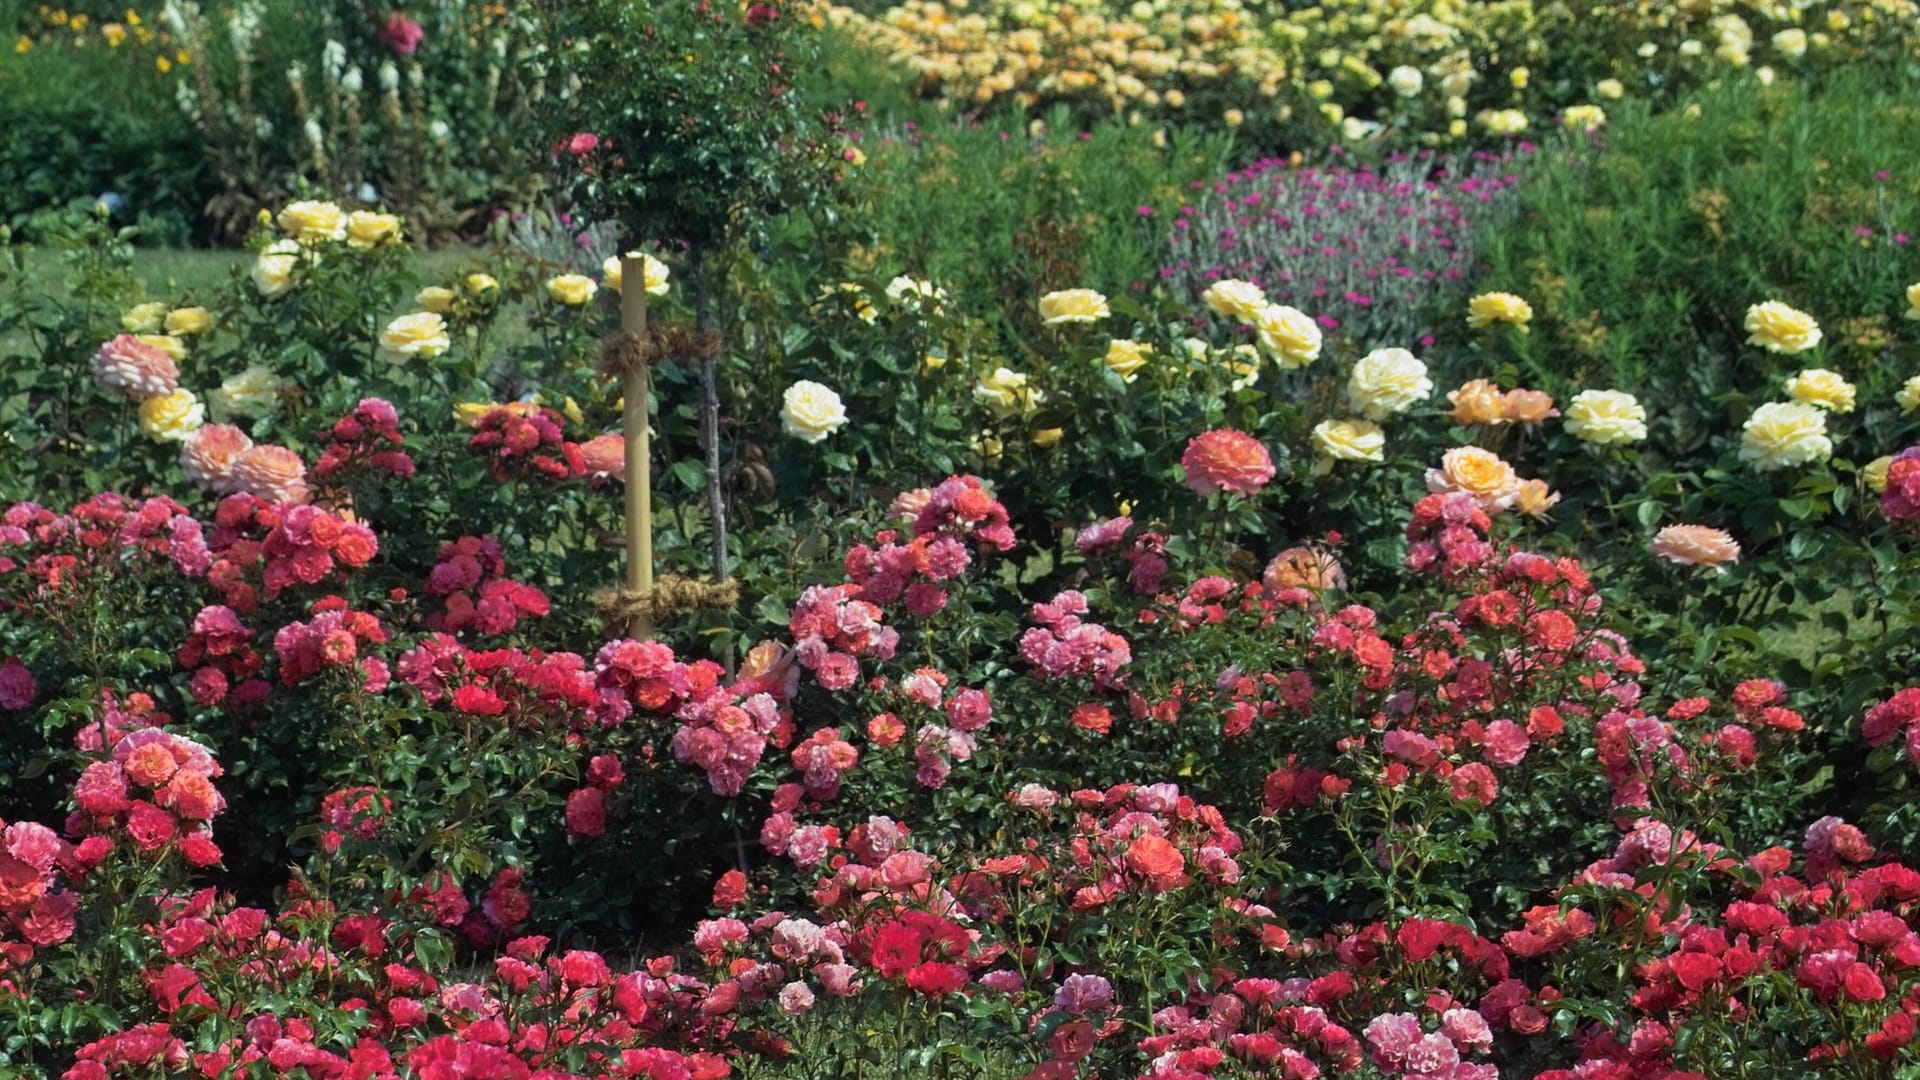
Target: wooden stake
639,486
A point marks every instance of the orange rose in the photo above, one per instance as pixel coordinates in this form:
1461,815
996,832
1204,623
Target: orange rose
1530,406
1304,568
209,454
273,473
605,457
1479,473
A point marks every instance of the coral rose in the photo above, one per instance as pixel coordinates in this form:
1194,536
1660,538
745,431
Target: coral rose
1157,860
273,473
605,457
1226,460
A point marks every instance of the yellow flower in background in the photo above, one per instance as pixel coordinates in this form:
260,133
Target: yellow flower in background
188,321
1125,358
1584,118
1792,42
175,349
931,363
1503,121
1822,388
988,446
172,417
1908,396
253,392
147,318
435,298
572,290
1406,81
470,413
862,306
1387,381
1606,417
480,285
1611,89
810,412
1498,307
273,270
366,229
1287,334
1048,438
1007,393
1913,300
1776,327
1349,440
1235,299
1874,473
422,334
656,272
312,221
1073,306
570,409
1784,433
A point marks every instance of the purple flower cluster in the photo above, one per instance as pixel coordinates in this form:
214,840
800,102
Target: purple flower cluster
1371,252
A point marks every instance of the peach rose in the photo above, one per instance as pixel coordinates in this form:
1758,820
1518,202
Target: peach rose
1530,406
209,455
1479,473
1695,545
273,473
1478,402
1226,460
1304,568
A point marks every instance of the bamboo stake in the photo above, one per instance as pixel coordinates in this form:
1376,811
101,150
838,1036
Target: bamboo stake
639,486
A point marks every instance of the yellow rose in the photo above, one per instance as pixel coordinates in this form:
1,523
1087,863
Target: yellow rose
1349,440
1611,89
1784,433
1048,438
435,298
655,271
1240,300
915,294
931,363
1287,334
1874,473
145,318
1007,393
1073,306
572,290
1498,307
1503,121
1606,417
175,349
422,334
1913,300
1822,388
481,285
312,222
1125,358
253,392
273,270
1406,81
1908,396
1476,472
1387,381
172,417
366,229
811,412
1778,328
1792,42
188,321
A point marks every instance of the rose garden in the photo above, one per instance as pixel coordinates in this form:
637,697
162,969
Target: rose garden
972,539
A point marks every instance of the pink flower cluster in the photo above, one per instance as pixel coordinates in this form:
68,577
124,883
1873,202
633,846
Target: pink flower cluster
365,440
33,907
356,812
1062,646
822,758
17,685
526,445
104,535
468,574
1898,717
219,651
1365,249
958,506
833,630
156,790
917,570
331,639
587,805
287,545
725,737
1448,533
